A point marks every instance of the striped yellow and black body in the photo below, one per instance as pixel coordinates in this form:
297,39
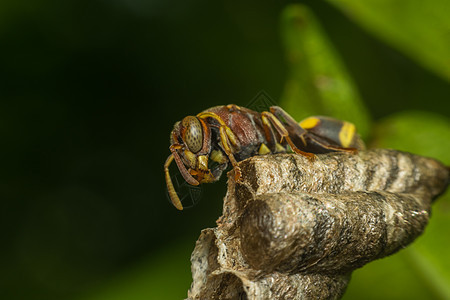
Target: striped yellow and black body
228,134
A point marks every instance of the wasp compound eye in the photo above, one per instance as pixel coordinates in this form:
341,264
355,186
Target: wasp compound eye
193,135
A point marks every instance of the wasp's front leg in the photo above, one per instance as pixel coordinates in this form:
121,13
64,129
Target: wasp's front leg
202,172
269,120
228,140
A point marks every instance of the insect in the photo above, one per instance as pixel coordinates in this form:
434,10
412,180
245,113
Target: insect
227,134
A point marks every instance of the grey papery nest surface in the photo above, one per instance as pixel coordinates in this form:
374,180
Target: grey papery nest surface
295,229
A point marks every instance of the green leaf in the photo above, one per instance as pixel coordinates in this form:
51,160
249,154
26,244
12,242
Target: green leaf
319,83
422,271
419,132
420,29
389,278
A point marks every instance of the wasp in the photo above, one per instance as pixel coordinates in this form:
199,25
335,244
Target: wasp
228,134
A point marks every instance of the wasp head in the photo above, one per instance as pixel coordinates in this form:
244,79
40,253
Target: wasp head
190,147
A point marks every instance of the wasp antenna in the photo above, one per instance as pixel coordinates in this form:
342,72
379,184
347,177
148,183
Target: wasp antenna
172,193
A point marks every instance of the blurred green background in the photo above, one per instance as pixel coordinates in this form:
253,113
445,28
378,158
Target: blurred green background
90,91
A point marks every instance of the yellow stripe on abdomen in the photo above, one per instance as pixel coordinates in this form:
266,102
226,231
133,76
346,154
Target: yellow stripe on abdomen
346,134
309,123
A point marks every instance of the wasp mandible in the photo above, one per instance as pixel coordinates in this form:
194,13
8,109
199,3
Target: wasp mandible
229,134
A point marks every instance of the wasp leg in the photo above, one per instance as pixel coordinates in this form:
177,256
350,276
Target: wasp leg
226,146
271,138
290,124
270,120
321,143
228,140
184,172
229,133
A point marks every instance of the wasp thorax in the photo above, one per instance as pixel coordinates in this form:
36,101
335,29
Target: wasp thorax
193,135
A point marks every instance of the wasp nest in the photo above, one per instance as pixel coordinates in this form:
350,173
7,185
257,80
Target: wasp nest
295,229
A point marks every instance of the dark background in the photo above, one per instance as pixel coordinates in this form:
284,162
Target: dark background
89,93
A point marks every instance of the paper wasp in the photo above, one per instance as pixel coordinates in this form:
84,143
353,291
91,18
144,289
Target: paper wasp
229,134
